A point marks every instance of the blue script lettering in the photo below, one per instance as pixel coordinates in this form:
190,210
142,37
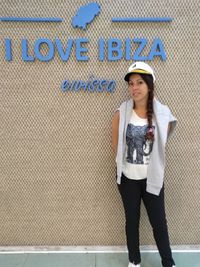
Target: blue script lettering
91,85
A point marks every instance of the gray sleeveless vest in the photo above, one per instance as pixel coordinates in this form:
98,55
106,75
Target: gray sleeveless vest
155,169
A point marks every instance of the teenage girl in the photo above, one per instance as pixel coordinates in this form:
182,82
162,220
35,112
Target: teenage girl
140,128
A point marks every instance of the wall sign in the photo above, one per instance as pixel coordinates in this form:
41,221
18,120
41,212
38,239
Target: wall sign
111,49
107,49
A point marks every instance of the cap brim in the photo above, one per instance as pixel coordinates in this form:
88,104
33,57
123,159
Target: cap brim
126,78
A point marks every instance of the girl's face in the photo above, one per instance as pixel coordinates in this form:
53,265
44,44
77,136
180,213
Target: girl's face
138,89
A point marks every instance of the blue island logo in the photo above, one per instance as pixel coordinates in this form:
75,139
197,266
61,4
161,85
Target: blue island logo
85,15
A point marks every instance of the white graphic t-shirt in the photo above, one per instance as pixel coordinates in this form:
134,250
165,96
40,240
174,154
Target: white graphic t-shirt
138,150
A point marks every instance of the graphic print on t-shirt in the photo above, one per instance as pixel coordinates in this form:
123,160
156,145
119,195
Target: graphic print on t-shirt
138,148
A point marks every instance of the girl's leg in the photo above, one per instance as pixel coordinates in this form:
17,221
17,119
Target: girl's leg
131,197
156,212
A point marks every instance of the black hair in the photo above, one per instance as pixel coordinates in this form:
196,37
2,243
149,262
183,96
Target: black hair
148,78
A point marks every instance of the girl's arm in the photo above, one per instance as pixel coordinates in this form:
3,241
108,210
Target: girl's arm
115,129
169,128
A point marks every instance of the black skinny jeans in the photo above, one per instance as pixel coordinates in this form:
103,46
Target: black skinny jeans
132,191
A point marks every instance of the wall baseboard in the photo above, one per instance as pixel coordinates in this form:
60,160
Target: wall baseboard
91,249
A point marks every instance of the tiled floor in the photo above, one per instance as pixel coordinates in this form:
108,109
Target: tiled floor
92,259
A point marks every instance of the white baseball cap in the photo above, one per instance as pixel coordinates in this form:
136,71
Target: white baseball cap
139,67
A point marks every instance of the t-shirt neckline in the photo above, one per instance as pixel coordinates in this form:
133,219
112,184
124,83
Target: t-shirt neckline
139,116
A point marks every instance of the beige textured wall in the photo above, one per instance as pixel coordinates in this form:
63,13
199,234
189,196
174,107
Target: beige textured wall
57,171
